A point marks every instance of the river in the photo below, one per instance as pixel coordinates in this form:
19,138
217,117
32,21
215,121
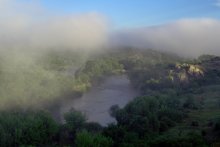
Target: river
97,101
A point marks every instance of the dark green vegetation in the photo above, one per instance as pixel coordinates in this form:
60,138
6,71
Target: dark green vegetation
27,128
93,71
178,106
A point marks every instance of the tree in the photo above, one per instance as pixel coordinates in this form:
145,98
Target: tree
86,139
75,120
19,128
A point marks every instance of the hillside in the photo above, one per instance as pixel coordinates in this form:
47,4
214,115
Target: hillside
178,104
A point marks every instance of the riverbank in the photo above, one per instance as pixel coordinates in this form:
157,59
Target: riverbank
114,90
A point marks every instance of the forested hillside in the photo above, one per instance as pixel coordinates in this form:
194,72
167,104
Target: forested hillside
178,104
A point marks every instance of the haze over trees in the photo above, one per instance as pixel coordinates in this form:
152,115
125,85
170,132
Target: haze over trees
178,103
52,52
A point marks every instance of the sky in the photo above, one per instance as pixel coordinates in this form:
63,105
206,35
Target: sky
31,28
184,27
136,13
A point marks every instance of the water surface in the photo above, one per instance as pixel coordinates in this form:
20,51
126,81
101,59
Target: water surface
96,102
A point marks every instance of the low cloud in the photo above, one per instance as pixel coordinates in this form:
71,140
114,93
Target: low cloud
29,26
27,33
188,37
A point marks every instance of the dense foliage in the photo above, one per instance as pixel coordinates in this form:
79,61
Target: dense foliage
178,106
93,71
85,139
147,120
19,128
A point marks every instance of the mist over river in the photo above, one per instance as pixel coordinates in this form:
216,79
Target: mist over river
97,101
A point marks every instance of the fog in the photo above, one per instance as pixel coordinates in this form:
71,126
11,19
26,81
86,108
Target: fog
187,37
29,26
28,31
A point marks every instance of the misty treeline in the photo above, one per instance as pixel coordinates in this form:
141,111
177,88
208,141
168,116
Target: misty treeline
35,80
95,70
178,105
32,80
